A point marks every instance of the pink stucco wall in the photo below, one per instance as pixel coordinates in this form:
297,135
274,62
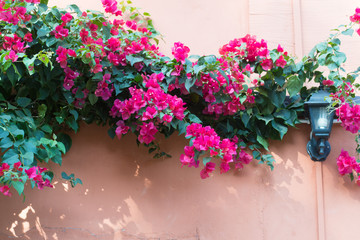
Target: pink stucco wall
128,195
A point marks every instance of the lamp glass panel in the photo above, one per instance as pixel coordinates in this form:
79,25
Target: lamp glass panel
321,119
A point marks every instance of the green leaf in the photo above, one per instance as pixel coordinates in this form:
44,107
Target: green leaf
10,157
42,110
78,180
19,186
23,101
321,46
263,142
133,59
199,68
61,147
280,80
6,143
294,84
194,118
73,124
28,158
65,139
93,98
43,31
57,159
51,41
205,160
12,74
69,97
46,128
189,83
277,97
65,176
280,128
348,32
76,9
75,114
256,155
339,58
266,118
269,160
29,63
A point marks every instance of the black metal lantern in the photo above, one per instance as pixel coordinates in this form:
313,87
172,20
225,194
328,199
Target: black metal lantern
321,120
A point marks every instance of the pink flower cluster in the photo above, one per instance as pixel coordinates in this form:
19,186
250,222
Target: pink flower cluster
247,47
15,13
348,165
15,46
356,18
103,89
180,52
349,116
152,107
80,102
206,139
33,173
111,7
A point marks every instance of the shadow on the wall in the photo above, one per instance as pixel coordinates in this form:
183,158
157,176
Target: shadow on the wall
129,195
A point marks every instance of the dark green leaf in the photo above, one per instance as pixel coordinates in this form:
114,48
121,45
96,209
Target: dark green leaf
277,97
23,101
263,142
294,84
65,139
93,98
280,128
194,119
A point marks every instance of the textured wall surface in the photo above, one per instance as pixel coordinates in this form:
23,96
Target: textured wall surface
128,195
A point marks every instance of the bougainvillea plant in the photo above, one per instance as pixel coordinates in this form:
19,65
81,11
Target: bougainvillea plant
62,66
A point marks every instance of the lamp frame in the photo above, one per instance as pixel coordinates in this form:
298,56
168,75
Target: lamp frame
318,147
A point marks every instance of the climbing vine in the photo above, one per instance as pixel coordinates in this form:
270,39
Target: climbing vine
62,66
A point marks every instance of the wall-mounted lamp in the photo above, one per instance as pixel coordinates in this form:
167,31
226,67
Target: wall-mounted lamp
321,122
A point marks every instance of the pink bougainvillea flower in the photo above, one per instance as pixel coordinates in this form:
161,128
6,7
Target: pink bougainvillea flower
345,163
61,32
4,167
167,118
180,52
147,133
5,190
121,129
12,56
131,24
267,64
28,37
281,62
66,18
209,168
31,172
113,44
111,7
356,17
328,82
279,48
150,113
350,117
71,53
358,31
17,166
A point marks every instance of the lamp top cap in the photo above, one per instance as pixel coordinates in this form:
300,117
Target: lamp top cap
319,97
